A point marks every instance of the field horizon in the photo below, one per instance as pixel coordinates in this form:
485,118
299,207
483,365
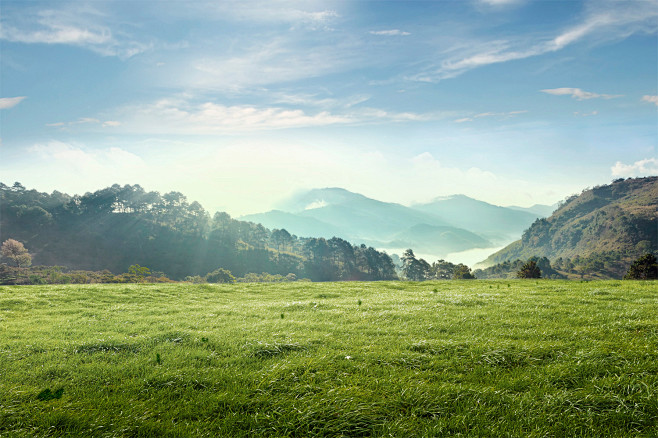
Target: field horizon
435,358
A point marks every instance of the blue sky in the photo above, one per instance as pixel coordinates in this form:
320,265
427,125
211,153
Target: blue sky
239,104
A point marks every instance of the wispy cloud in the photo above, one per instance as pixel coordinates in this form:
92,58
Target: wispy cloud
85,121
645,167
81,26
182,115
179,115
499,2
261,63
392,32
315,15
579,94
593,113
10,102
88,161
503,115
650,99
604,21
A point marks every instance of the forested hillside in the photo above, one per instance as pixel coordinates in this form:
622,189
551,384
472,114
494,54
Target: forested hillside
116,227
601,230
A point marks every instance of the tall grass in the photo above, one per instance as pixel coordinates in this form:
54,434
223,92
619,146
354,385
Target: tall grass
463,358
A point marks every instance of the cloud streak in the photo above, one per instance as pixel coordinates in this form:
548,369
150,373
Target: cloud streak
503,115
180,115
650,99
579,94
605,20
81,27
10,102
392,32
85,121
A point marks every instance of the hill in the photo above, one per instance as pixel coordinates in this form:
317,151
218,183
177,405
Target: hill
116,227
355,215
444,226
602,229
500,224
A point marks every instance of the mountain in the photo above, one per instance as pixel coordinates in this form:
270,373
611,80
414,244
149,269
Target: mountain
604,228
500,224
321,212
349,214
445,225
426,238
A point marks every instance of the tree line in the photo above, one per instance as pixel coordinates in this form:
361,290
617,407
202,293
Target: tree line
120,226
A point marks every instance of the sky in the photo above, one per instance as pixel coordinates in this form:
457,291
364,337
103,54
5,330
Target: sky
240,104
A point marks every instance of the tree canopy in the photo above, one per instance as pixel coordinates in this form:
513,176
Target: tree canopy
644,268
529,270
15,251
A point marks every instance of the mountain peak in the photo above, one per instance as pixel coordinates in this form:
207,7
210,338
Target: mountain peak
319,198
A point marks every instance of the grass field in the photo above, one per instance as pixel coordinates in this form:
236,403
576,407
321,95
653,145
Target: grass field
454,358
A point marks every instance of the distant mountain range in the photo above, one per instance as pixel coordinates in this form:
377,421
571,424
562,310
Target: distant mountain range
445,225
607,227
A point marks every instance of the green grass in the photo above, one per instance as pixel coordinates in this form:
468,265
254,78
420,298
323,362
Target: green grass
462,358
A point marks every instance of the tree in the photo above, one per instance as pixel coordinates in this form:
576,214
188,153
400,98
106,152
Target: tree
462,272
529,270
138,272
16,252
220,276
644,268
414,269
442,270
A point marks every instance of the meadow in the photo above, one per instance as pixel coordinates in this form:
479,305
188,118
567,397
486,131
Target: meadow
478,358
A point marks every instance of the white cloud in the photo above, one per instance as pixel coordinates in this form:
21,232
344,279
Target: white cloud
85,121
605,20
180,116
392,32
645,167
80,27
10,102
183,116
502,116
579,94
651,99
262,63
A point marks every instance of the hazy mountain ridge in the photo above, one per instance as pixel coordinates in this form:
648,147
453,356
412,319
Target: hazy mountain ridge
619,219
445,225
501,224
